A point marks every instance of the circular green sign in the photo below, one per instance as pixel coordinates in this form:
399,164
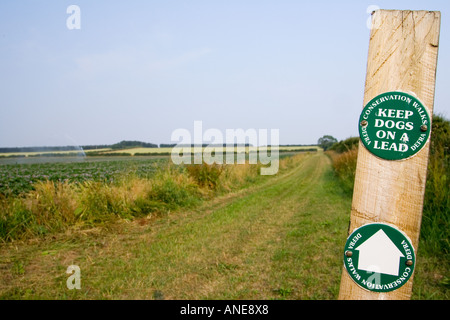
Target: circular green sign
394,125
379,257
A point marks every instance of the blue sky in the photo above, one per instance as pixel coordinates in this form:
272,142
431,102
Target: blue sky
138,70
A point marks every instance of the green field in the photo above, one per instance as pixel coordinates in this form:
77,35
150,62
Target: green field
16,178
271,237
18,175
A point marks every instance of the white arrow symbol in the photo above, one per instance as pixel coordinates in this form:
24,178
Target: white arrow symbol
379,254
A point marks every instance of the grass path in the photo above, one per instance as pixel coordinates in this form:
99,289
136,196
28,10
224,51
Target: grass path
279,239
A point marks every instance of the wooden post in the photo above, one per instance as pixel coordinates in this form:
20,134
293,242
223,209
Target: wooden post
402,56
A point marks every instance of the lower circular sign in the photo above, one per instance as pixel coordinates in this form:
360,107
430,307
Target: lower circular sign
394,125
379,257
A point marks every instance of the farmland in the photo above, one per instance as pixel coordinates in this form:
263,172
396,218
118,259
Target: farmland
44,198
148,151
139,151
20,171
260,239
232,246
16,178
140,228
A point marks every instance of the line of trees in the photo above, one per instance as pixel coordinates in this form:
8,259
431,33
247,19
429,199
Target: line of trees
132,144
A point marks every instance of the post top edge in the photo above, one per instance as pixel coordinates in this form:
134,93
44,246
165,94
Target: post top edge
399,10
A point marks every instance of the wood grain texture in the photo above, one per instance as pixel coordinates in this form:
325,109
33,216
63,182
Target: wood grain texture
403,51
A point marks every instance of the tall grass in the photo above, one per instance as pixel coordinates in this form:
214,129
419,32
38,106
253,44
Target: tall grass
56,206
435,230
344,165
206,175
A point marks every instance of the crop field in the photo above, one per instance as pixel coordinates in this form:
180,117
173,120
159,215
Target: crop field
20,177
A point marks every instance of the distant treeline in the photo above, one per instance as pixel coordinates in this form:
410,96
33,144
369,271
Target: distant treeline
132,144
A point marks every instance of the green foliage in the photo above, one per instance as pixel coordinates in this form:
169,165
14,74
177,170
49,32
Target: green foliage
326,141
206,175
15,219
345,145
99,203
344,155
344,165
131,144
173,189
435,230
143,206
108,154
147,154
17,179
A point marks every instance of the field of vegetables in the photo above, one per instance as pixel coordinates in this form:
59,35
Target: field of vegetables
16,178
